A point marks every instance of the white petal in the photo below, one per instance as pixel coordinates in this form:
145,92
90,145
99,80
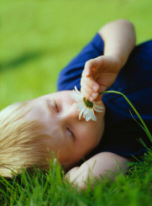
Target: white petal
93,116
80,106
88,113
88,117
73,96
97,106
97,110
78,92
76,97
81,112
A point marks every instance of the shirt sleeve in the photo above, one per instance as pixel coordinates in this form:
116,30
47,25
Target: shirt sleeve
70,76
122,133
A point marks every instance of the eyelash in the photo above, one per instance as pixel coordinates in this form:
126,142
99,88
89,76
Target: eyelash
68,129
56,107
71,133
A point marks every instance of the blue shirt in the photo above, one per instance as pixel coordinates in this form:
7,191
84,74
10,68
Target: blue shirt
122,133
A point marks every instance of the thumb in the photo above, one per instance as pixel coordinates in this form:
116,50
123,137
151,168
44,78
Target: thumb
99,97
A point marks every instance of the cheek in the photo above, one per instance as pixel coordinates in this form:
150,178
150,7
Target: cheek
100,129
85,142
93,133
52,129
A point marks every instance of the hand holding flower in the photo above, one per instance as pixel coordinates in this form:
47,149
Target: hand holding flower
98,75
85,107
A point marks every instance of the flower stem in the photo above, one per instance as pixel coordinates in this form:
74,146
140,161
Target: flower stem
129,102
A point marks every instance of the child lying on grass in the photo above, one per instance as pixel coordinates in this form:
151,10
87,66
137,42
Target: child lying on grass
30,130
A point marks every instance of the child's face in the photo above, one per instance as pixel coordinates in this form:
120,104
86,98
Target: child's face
70,137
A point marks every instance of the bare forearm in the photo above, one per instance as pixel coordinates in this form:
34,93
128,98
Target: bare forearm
100,165
119,38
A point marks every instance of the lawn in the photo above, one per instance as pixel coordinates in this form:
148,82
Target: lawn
38,38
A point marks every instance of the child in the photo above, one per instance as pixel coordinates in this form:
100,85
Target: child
31,129
121,133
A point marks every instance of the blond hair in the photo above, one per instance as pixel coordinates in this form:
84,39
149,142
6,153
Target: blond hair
19,141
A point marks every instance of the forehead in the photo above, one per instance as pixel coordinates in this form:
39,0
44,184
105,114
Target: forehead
64,95
60,95
15,110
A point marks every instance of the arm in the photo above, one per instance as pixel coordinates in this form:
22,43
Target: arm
97,167
119,37
101,72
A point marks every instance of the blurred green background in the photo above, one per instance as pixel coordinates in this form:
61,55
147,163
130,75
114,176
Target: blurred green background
38,38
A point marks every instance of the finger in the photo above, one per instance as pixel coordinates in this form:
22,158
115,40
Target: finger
102,88
89,94
89,65
89,89
90,83
99,97
86,93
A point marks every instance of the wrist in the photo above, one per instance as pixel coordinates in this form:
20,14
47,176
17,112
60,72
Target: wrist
119,56
116,62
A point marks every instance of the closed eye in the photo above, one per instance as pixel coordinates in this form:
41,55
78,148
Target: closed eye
56,107
71,133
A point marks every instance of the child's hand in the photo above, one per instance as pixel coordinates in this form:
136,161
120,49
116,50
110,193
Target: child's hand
98,75
104,164
78,176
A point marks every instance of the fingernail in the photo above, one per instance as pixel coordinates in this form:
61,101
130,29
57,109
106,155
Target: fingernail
87,73
91,99
94,95
95,88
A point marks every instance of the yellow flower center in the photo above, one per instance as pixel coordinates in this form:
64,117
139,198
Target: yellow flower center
87,103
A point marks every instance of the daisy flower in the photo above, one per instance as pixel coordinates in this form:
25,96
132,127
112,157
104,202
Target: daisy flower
85,107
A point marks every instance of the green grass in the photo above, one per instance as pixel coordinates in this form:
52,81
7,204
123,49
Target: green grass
38,38
133,189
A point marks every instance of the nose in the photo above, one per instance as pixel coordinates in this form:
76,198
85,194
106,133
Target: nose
72,112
